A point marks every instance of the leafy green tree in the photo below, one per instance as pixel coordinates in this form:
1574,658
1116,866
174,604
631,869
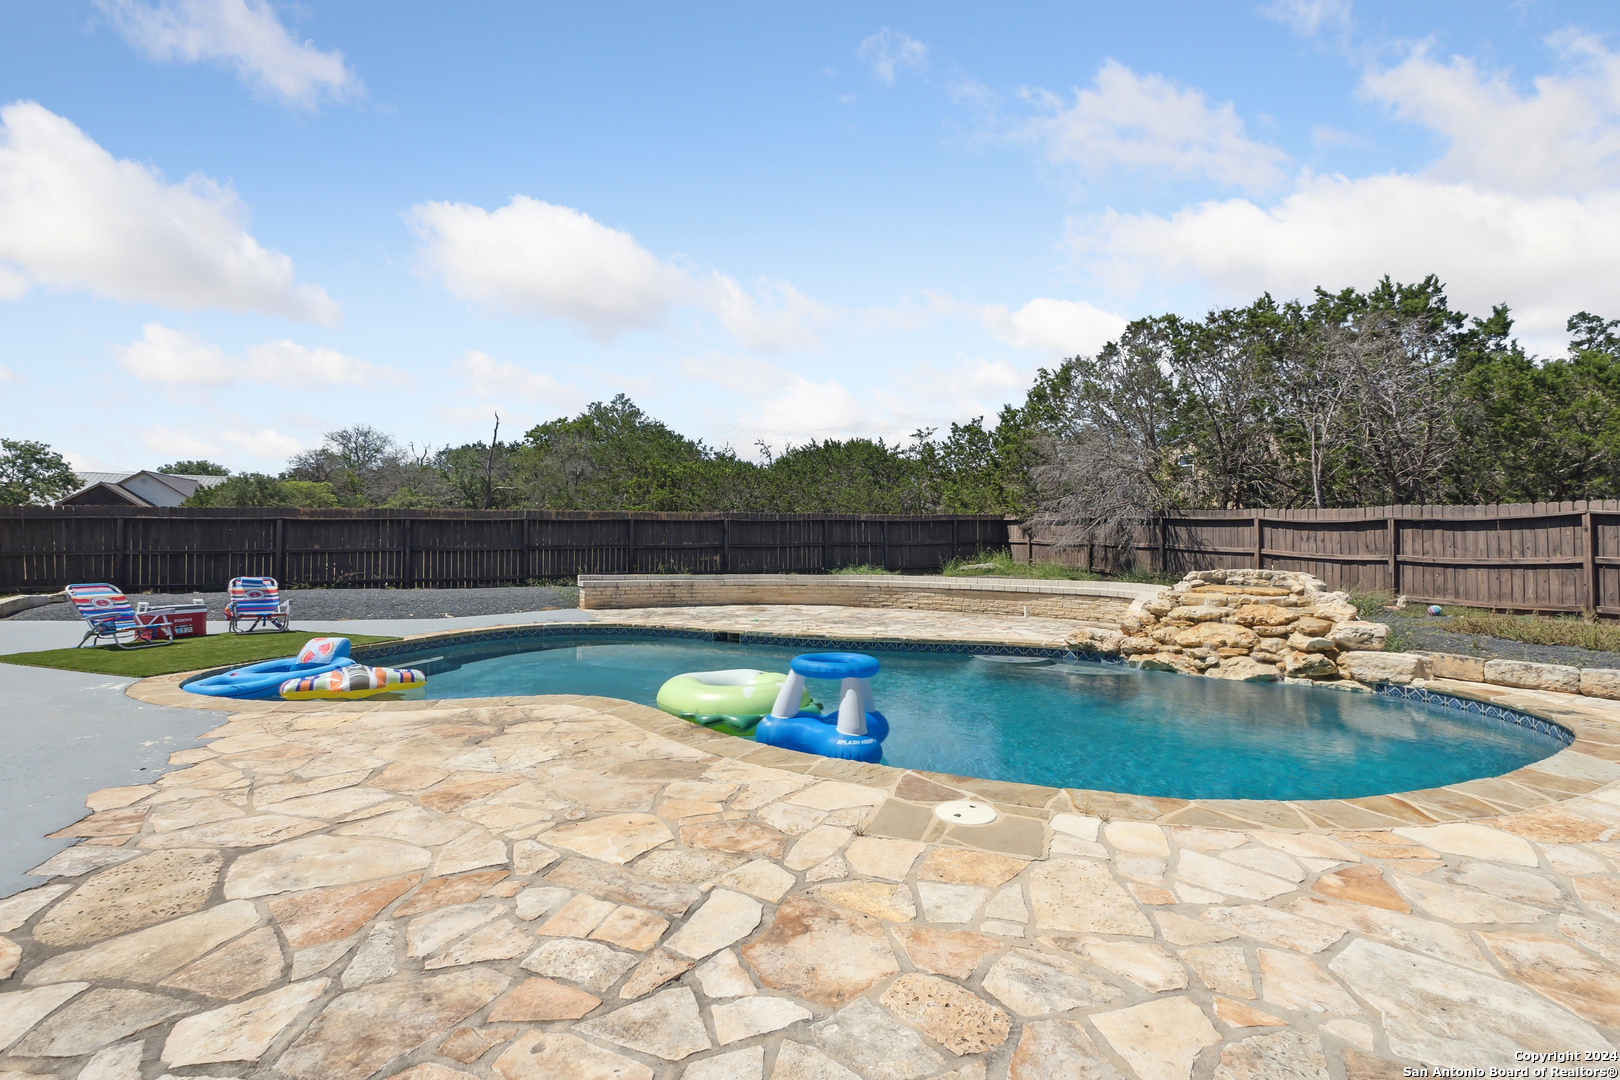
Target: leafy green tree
198,467
31,472
599,459
257,489
1547,431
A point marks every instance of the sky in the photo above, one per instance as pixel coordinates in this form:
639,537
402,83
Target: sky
230,226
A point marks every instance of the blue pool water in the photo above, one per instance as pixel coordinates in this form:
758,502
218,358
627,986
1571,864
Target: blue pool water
1064,724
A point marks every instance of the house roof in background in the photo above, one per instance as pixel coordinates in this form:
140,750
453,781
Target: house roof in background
117,484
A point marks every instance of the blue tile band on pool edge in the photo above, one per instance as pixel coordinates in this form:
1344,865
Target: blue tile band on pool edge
382,652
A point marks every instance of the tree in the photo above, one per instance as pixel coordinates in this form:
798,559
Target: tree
1225,373
1541,432
1114,456
593,461
31,472
198,467
1402,382
1314,394
257,489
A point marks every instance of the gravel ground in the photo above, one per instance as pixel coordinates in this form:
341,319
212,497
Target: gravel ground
1420,632
319,604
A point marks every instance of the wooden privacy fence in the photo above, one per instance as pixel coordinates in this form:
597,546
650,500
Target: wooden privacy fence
1520,557
45,548
1524,557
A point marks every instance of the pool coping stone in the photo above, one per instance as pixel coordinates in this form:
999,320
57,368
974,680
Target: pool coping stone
1593,750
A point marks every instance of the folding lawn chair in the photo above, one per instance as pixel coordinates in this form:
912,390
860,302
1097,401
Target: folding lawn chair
257,601
108,613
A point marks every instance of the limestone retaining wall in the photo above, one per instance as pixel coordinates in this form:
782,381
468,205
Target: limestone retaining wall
1087,601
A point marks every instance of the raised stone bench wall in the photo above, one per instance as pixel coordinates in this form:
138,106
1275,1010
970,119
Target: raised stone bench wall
1525,675
1087,601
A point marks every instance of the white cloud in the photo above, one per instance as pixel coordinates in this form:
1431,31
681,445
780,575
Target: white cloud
1536,253
1512,212
1150,126
174,357
231,433
785,320
887,51
931,396
782,406
1563,137
244,35
1324,136
172,443
7,375
500,380
1306,17
73,216
1058,328
534,258
290,364
531,257
177,358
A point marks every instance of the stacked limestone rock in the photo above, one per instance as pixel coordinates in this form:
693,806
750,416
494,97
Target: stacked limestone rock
1252,626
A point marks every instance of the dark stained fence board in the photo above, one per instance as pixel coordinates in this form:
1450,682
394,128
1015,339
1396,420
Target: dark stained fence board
1521,557
45,548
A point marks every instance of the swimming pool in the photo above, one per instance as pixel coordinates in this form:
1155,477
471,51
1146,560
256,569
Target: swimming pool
1064,723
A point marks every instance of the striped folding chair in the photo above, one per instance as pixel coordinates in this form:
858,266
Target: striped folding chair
108,614
257,602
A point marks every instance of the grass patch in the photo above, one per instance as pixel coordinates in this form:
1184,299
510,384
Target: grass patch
1567,630
215,650
1370,605
999,563
862,569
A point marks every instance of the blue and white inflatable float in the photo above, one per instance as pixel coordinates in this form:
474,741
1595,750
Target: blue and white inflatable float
318,656
855,732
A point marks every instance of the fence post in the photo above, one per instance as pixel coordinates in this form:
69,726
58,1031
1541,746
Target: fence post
630,546
885,523
1259,544
1164,546
725,543
527,562
956,552
281,550
407,573
121,560
1394,555
1591,560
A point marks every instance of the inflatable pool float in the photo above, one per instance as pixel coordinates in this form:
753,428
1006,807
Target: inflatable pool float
318,655
732,701
855,732
354,681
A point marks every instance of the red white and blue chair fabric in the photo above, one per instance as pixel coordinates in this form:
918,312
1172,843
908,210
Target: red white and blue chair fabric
257,602
107,612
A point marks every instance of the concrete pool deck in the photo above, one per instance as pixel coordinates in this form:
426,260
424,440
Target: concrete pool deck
580,887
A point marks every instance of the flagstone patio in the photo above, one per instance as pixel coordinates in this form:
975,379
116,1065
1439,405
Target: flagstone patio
581,888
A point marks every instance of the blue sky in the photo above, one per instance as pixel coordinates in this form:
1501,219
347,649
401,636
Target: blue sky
227,226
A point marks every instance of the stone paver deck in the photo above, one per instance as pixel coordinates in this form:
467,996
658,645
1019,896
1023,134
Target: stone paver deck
518,889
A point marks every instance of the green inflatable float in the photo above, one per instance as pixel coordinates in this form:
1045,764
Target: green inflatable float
731,701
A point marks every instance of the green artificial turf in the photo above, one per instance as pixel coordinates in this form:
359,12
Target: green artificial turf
215,650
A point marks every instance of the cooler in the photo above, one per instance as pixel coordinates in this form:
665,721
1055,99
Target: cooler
188,620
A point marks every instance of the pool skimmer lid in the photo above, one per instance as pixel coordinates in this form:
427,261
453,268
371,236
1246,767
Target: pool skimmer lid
965,812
